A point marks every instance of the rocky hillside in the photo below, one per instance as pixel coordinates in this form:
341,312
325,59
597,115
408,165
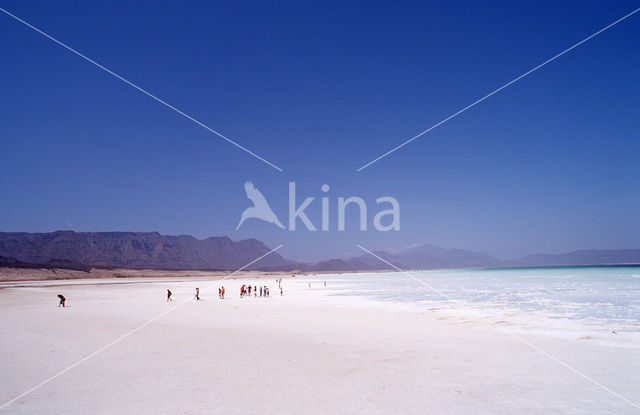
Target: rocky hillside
137,250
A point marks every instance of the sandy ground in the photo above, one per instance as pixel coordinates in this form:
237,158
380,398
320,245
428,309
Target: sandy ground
28,274
304,352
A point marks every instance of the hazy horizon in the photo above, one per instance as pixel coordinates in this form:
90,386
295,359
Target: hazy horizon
391,250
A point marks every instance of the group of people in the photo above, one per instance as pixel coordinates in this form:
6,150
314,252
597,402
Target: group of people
195,297
262,291
245,290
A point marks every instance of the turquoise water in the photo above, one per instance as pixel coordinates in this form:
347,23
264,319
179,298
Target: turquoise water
605,296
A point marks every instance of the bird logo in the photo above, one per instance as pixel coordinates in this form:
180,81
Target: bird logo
260,208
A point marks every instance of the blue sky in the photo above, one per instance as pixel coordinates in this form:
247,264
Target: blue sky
549,164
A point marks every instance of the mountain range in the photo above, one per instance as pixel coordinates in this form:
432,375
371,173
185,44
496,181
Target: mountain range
79,250
138,250
432,257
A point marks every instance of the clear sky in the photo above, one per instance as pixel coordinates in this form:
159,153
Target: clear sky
550,164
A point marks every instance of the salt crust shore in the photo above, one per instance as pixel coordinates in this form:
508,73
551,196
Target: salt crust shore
306,352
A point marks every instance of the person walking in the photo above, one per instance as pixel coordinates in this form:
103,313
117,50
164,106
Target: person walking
197,297
169,295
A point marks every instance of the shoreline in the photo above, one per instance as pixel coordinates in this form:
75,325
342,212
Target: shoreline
304,352
543,323
10,274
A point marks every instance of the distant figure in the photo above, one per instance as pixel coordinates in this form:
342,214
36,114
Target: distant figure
280,291
249,291
223,292
169,295
260,291
260,208
325,283
62,300
197,297
255,291
309,285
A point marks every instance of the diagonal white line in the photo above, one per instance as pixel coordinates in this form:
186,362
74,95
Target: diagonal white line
520,339
124,336
141,90
497,90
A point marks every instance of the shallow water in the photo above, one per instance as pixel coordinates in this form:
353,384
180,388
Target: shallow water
600,299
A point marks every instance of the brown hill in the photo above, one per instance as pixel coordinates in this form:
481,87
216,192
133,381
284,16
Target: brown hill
137,250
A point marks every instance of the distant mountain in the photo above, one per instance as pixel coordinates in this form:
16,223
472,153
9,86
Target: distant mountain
353,264
582,257
419,257
53,264
81,250
432,257
138,250
13,263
